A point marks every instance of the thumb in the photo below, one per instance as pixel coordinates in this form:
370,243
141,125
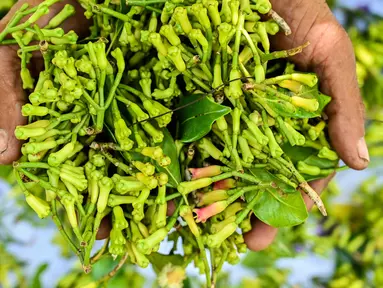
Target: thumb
331,57
346,110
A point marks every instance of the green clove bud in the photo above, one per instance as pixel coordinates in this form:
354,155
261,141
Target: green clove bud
106,185
327,153
187,215
168,32
187,187
174,54
40,206
180,16
215,240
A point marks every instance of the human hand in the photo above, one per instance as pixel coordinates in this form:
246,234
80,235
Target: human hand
12,96
331,56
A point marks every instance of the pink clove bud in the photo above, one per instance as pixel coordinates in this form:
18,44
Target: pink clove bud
206,212
209,171
224,184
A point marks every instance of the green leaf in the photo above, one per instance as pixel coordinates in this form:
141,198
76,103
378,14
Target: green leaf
159,261
36,281
197,118
266,176
322,163
309,156
173,170
104,266
279,209
298,153
100,268
135,156
279,106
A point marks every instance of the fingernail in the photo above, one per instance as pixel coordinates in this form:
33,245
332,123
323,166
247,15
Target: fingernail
3,140
362,150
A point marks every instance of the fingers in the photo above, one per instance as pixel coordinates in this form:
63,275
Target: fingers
171,208
12,96
301,16
11,99
104,230
331,56
346,110
262,235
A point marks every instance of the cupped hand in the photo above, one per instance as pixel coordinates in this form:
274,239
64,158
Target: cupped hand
12,96
331,56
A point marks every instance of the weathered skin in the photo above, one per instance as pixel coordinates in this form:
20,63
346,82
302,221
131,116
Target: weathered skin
331,56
